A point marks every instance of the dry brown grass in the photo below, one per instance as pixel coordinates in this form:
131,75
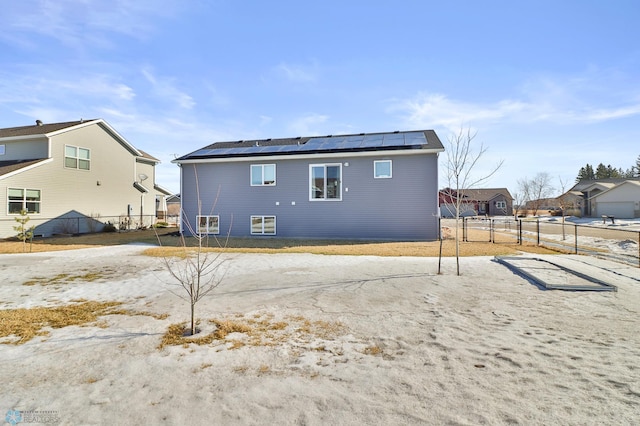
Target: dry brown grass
18,326
171,245
260,330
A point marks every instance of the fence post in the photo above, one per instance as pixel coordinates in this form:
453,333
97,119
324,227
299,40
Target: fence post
464,229
538,231
520,231
575,237
492,234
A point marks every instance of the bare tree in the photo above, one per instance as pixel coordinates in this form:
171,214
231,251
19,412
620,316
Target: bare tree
461,162
197,269
536,190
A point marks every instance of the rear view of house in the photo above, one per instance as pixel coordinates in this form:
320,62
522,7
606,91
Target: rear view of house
364,186
73,177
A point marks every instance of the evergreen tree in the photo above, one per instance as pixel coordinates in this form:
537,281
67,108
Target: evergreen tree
586,173
637,167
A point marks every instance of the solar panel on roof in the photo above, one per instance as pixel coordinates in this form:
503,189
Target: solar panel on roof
371,141
415,138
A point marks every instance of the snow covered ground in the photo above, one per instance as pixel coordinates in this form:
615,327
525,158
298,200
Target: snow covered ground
413,347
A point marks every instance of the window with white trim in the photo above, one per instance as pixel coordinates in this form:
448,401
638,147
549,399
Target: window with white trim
325,182
263,174
501,204
382,169
208,224
2,149
77,158
263,225
24,199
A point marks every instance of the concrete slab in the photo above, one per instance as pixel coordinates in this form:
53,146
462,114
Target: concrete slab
562,272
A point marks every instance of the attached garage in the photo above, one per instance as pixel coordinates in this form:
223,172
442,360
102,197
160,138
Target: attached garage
621,209
621,201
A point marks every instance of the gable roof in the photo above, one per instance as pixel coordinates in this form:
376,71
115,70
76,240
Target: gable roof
586,183
479,194
635,183
52,129
7,167
38,129
363,142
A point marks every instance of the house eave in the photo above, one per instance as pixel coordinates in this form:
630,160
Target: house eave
308,155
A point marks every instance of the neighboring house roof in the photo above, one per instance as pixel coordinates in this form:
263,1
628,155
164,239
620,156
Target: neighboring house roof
584,185
7,167
412,140
175,198
486,194
480,194
162,189
51,129
616,187
38,129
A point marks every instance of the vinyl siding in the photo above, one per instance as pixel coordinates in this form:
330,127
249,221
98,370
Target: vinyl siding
73,192
25,149
401,208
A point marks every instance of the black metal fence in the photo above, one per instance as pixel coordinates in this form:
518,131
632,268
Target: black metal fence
610,241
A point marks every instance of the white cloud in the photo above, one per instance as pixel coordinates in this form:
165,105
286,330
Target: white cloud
438,110
165,88
80,23
308,125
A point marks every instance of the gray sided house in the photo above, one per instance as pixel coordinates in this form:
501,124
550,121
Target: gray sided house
72,177
363,186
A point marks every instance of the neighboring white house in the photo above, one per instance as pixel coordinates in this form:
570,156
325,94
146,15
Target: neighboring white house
620,201
606,197
75,176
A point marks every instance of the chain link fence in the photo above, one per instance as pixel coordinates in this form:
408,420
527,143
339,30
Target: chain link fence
609,240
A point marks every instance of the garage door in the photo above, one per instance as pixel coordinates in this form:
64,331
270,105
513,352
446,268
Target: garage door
622,210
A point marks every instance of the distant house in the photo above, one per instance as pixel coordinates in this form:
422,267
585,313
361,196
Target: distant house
621,201
359,186
474,202
73,177
610,197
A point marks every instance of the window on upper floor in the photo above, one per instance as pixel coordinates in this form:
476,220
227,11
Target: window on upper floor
382,169
263,174
23,199
263,225
208,224
77,158
325,182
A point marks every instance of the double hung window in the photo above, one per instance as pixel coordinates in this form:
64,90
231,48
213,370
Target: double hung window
24,199
77,158
325,182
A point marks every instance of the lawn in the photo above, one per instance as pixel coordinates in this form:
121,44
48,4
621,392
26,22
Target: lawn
166,239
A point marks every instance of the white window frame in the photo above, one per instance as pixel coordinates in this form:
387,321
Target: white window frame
501,204
2,149
313,188
78,159
262,227
24,202
380,176
208,228
263,181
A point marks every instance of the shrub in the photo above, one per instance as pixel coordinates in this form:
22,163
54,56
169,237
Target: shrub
109,227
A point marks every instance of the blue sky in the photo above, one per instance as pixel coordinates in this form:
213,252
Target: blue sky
549,85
